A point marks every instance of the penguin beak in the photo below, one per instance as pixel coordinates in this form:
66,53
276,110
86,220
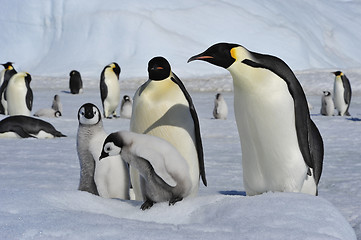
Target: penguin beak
103,155
199,57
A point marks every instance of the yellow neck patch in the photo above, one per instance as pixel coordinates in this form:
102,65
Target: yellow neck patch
234,53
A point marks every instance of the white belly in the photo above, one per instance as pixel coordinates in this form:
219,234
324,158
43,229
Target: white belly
338,97
16,95
271,158
112,100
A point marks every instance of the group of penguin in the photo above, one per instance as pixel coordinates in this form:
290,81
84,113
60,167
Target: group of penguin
341,99
16,100
161,159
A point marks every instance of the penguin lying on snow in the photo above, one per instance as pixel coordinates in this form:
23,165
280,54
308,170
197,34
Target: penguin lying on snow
25,127
54,111
162,107
282,149
164,172
108,178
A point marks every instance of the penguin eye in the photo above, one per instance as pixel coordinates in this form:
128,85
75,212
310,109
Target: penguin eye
108,147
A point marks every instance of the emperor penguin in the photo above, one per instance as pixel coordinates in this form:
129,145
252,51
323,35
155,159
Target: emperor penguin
110,89
47,112
57,105
19,95
282,149
5,76
20,126
342,93
75,82
109,178
327,105
220,110
162,107
164,172
126,107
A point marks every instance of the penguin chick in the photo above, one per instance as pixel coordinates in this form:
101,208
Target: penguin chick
126,107
327,105
164,172
220,110
57,105
110,178
47,112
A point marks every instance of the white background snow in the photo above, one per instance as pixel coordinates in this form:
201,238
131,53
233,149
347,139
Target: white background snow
48,39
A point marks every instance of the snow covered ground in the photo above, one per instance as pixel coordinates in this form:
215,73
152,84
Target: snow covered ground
39,179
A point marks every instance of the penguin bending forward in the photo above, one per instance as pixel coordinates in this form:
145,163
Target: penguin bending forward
282,149
109,178
164,172
110,90
342,93
20,126
19,94
162,107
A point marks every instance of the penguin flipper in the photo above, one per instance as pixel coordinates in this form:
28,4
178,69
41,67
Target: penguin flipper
193,112
316,150
103,89
21,132
29,99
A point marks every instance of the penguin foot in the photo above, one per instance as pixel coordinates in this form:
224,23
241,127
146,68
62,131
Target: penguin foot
173,200
147,204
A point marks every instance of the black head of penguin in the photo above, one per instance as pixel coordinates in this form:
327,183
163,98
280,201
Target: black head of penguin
90,110
113,139
158,68
219,54
337,73
116,69
8,65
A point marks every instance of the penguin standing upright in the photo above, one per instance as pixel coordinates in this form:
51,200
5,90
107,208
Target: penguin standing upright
282,149
19,95
109,178
126,107
342,93
110,89
6,74
164,172
75,82
327,105
57,105
162,107
220,110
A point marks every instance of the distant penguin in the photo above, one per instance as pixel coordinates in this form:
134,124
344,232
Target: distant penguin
6,74
75,82
19,95
110,89
162,107
220,110
327,106
342,93
47,112
109,178
57,105
126,107
25,127
282,149
164,172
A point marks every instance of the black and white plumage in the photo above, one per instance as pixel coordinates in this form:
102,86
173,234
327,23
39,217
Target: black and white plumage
47,112
164,172
282,149
126,107
75,82
342,93
20,126
109,178
220,110
110,89
162,107
57,105
5,75
19,94
327,105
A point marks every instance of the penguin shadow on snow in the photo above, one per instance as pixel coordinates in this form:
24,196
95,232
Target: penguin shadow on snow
354,119
233,193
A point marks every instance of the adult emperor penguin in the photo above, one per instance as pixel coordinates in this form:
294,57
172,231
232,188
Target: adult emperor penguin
6,74
282,149
109,178
20,126
75,82
164,172
220,110
342,93
327,105
110,89
126,107
162,107
19,95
